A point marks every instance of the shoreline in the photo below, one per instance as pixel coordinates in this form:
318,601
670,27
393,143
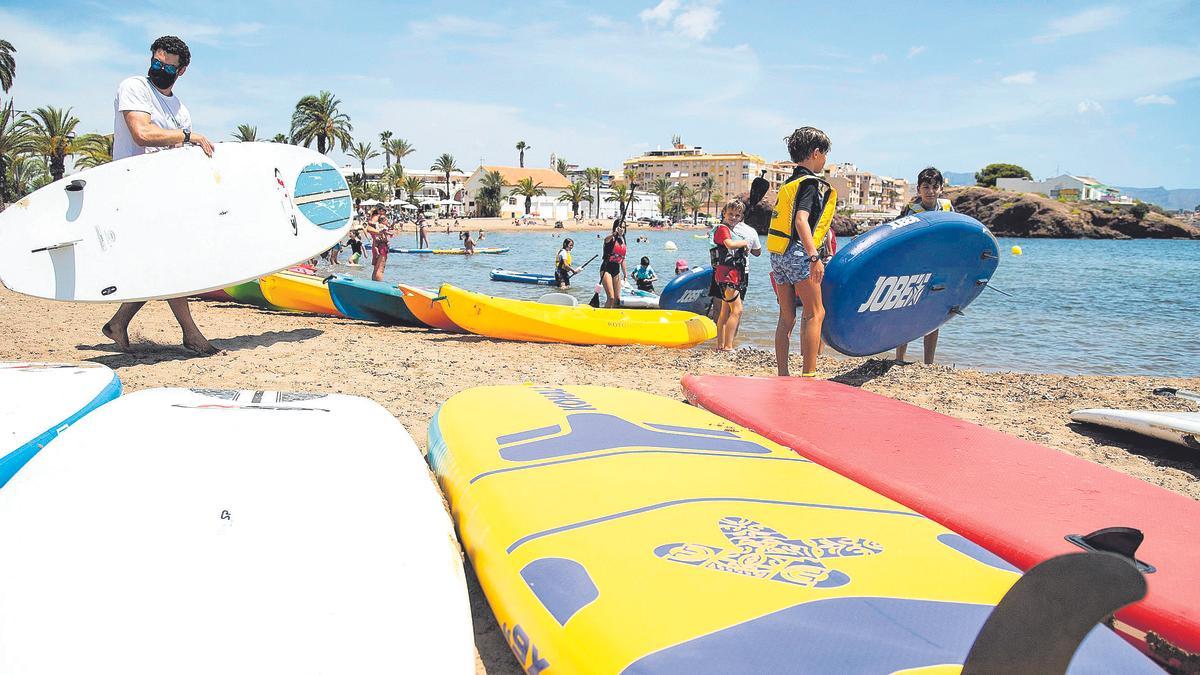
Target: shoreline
412,371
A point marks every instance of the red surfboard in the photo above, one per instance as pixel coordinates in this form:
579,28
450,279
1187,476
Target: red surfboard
1017,498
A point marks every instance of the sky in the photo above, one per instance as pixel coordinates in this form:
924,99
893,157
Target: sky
1110,90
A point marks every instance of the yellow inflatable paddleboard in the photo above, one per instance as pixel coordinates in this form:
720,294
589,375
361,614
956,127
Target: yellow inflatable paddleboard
509,319
302,292
617,531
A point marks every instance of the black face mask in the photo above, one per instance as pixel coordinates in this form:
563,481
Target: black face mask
161,78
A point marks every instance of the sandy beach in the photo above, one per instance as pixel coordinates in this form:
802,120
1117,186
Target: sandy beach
411,371
536,225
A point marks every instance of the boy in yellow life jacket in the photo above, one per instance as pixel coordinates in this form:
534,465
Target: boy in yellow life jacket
929,198
800,223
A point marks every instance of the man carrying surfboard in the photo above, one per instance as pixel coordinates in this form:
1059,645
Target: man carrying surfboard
149,117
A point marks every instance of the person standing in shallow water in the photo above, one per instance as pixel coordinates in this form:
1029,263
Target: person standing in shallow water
148,117
929,192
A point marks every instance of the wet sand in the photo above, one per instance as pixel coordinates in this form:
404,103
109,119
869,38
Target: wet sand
411,371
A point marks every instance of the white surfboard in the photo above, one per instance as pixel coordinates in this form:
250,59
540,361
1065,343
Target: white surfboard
1174,427
209,531
173,223
39,400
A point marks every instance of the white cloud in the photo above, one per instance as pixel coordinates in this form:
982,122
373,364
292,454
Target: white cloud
1089,106
1154,99
878,58
192,32
601,21
913,51
449,24
1087,21
698,22
660,13
1026,77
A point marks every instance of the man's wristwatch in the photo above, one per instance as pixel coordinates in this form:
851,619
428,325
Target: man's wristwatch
814,258
187,136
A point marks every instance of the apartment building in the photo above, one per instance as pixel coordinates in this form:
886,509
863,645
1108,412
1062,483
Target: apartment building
857,190
732,172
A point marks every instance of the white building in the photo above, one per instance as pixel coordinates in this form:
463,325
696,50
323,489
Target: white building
1066,186
546,206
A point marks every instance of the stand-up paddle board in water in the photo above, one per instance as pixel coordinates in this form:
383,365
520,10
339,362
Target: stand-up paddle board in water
40,400
1016,498
173,223
616,531
212,531
904,279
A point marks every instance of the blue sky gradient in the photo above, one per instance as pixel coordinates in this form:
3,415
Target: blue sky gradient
1109,90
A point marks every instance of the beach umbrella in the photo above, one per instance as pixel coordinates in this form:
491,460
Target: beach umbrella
410,207
449,202
369,202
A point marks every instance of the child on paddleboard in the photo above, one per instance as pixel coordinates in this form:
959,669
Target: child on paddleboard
644,276
929,192
563,270
804,210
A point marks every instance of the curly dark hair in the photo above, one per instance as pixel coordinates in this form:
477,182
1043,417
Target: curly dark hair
932,176
173,45
803,141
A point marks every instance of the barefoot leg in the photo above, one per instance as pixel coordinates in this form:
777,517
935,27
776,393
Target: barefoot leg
193,339
117,328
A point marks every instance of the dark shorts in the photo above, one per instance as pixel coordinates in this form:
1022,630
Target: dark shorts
717,289
610,267
562,277
645,286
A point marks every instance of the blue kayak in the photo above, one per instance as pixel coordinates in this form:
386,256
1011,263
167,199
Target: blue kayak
522,277
375,301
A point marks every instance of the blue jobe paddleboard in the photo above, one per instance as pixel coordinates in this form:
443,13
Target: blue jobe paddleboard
688,292
367,300
904,279
523,277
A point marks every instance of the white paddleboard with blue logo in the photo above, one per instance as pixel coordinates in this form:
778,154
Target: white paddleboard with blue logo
173,223
40,400
214,531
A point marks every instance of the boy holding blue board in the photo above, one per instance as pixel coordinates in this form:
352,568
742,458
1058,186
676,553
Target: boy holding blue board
929,192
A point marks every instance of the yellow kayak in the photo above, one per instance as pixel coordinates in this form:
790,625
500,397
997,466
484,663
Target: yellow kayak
300,292
525,320
618,531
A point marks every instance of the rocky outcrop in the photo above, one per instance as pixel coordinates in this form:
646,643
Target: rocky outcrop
1011,214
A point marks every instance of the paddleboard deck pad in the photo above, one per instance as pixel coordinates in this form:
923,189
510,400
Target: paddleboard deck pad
1016,498
904,279
616,531
214,531
163,224
40,400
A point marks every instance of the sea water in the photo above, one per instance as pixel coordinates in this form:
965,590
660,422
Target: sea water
1079,306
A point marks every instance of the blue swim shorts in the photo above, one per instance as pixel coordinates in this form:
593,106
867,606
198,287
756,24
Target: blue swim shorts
791,267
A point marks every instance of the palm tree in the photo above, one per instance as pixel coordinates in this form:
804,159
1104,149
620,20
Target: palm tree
28,174
384,137
719,200
521,148
662,189
578,192
694,203
680,194
707,186
391,179
362,152
400,148
412,186
317,118
52,132
593,176
620,195
491,191
8,65
561,166
14,142
528,189
445,164
246,133
279,138
95,149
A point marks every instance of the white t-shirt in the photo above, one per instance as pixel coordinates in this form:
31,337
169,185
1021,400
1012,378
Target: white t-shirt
743,232
136,93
